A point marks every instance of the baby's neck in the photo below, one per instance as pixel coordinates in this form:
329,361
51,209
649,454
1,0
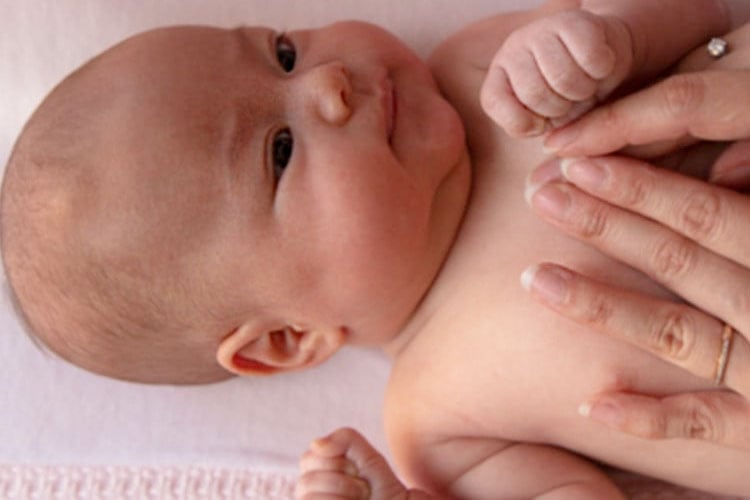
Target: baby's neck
398,344
432,299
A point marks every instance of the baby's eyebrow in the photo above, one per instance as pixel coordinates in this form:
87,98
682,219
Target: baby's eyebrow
241,40
248,45
243,142
232,139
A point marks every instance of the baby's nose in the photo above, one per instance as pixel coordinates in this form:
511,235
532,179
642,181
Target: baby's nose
332,89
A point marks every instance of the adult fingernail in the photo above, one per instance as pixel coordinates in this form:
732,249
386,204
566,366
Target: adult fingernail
546,172
551,200
584,173
549,283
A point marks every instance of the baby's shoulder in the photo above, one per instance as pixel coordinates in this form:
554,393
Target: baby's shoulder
475,44
467,53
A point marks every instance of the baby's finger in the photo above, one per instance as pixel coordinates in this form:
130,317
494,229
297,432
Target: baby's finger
371,465
501,104
312,461
722,417
358,450
677,333
531,88
584,36
713,283
700,105
561,71
342,442
331,485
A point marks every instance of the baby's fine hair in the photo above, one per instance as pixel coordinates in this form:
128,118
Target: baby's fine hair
110,312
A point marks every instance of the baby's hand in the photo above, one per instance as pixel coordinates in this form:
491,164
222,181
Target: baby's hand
344,465
554,69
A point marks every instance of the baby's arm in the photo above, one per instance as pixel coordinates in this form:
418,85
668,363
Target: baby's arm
497,469
555,68
345,465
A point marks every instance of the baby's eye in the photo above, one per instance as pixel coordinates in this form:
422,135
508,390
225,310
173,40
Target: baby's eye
286,53
281,151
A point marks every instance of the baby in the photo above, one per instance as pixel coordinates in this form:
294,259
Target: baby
199,202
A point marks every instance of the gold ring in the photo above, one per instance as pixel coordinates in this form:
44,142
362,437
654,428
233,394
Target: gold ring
726,346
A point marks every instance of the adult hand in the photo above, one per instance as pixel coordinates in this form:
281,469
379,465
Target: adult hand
704,101
691,236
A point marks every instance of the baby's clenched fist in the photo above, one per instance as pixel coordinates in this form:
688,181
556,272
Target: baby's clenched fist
554,69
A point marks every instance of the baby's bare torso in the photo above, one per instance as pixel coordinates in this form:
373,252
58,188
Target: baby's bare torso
489,367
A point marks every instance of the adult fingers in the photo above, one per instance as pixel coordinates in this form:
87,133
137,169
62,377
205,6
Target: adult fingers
737,57
716,218
706,278
698,105
675,332
722,417
652,115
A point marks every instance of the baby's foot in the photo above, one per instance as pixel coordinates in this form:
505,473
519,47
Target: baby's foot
344,465
554,69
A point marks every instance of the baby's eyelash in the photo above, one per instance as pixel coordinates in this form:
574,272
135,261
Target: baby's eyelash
286,52
282,146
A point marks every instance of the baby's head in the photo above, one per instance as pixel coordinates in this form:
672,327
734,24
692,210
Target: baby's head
197,202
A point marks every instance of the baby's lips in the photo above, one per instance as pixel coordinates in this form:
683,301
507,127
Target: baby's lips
390,106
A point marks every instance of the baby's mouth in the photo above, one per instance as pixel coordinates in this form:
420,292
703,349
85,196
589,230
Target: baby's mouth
390,105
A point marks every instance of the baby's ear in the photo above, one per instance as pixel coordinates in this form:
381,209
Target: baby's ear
254,350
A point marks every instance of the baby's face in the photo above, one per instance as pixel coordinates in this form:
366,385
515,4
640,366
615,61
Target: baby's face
316,175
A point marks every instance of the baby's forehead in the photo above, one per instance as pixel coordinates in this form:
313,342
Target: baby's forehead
191,42
164,145
188,64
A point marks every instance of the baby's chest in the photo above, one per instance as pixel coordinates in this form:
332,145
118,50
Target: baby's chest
508,373
493,362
